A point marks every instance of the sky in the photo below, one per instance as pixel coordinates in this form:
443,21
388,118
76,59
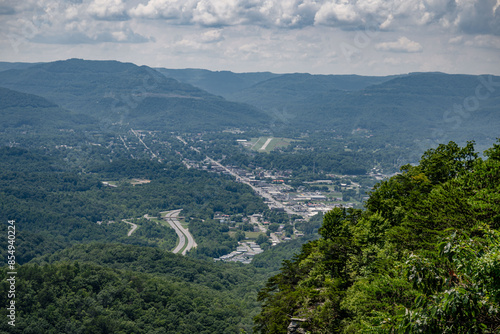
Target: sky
366,37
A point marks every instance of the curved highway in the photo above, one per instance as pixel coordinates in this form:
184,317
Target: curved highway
182,233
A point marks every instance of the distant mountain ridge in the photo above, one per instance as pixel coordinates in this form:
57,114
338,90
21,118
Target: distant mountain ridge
297,86
427,106
22,111
417,106
125,93
221,83
236,86
4,66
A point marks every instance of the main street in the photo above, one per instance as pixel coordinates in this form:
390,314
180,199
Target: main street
259,191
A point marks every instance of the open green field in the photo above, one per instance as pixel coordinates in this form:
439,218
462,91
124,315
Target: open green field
249,235
253,235
333,194
267,144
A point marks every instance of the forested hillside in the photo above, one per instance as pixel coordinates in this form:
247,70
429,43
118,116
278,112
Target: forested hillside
426,107
125,93
288,89
88,298
22,112
422,258
223,83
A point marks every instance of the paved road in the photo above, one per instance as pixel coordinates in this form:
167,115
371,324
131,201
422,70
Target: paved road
275,238
182,233
258,190
143,143
134,227
255,221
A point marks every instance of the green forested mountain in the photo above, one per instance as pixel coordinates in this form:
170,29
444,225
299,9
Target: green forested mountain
4,66
22,111
436,107
427,108
248,87
124,93
422,258
87,298
130,284
287,89
223,83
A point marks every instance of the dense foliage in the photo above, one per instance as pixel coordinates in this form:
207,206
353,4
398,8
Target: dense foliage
139,96
87,298
23,112
102,288
422,258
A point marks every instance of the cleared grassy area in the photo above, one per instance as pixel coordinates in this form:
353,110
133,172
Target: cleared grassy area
249,235
256,143
133,182
333,194
259,144
253,235
183,222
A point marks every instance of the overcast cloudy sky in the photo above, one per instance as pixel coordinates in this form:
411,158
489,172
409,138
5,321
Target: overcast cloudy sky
375,37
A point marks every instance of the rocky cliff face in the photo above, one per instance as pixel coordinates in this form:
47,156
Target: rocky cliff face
294,327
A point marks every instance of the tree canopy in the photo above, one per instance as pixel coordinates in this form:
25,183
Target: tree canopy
423,257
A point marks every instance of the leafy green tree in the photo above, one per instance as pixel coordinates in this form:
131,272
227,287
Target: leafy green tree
462,293
421,258
261,239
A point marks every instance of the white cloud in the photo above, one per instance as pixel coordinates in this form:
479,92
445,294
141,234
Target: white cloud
337,13
403,44
477,17
178,10
387,23
457,40
212,36
193,42
276,35
485,41
461,15
107,9
217,13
